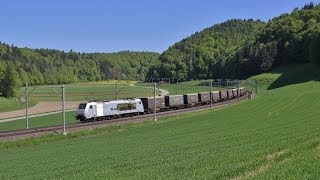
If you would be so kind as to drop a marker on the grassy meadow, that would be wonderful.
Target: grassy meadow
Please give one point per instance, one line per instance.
(41, 121)
(88, 91)
(183, 87)
(102, 90)
(274, 136)
(12, 104)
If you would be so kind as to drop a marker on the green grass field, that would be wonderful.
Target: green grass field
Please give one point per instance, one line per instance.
(75, 92)
(53, 119)
(183, 87)
(81, 92)
(274, 136)
(12, 104)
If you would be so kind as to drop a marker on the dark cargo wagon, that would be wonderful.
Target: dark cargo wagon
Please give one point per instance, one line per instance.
(191, 99)
(224, 94)
(215, 96)
(174, 101)
(230, 94)
(148, 104)
(204, 97)
(235, 93)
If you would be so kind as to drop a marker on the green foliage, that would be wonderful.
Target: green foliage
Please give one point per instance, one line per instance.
(240, 48)
(12, 104)
(9, 83)
(314, 52)
(204, 54)
(49, 66)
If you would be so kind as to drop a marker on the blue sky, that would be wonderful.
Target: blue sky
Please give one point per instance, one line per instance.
(115, 25)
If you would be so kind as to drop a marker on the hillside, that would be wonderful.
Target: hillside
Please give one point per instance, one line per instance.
(274, 136)
(288, 75)
(205, 53)
(240, 48)
(49, 66)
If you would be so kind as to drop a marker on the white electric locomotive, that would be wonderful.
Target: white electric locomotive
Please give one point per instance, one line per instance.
(98, 110)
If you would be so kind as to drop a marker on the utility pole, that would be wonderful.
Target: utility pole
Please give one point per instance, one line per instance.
(211, 94)
(238, 87)
(117, 90)
(27, 106)
(177, 87)
(63, 111)
(154, 98)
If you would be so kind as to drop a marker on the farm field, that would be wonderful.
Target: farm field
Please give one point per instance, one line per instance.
(183, 87)
(82, 92)
(274, 136)
(13, 104)
(47, 120)
(76, 92)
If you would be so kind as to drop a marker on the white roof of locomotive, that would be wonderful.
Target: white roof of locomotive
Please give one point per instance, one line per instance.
(117, 101)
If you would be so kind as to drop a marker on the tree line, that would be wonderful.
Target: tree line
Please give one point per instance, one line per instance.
(49, 66)
(239, 48)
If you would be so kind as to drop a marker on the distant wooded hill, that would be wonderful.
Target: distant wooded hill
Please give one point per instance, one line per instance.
(48, 66)
(239, 48)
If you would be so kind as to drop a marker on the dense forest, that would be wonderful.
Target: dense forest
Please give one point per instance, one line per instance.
(239, 48)
(47, 66)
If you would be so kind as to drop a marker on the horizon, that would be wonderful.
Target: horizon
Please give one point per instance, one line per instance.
(117, 26)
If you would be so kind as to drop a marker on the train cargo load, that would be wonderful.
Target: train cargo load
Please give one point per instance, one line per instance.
(191, 99)
(174, 101)
(230, 94)
(148, 104)
(215, 96)
(235, 93)
(204, 97)
(223, 94)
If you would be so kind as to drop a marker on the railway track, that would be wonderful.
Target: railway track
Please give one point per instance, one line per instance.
(57, 129)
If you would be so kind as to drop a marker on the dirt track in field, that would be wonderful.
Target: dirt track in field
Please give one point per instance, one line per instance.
(41, 107)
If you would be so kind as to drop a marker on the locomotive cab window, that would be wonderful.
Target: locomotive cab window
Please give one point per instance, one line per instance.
(82, 106)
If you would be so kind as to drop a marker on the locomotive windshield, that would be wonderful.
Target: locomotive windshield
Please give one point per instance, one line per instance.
(82, 106)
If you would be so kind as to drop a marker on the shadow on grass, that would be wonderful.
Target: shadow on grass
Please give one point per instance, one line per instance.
(295, 74)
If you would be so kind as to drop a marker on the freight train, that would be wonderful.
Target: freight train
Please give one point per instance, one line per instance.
(101, 110)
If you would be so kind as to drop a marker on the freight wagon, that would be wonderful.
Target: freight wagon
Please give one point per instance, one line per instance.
(216, 96)
(204, 97)
(148, 104)
(223, 95)
(235, 93)
(191, 100)
(230, 94)
(174, 101)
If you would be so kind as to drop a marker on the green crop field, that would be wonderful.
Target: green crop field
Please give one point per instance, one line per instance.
(183, 87)
(13, 104)
(41, 121)
(80, 92)
(274, 136)
(76, 92)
